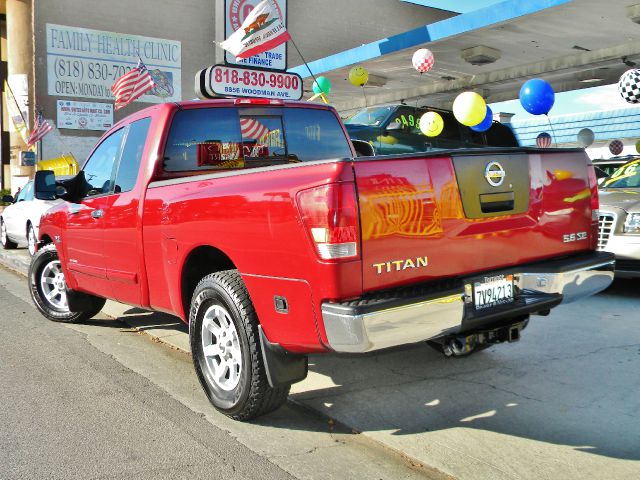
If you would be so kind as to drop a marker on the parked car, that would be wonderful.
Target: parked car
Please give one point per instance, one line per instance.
(394, 129)
(612, 164)
(619, 230)
(19, 222)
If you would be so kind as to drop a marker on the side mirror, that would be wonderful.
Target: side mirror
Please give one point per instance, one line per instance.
(8, 199)
(44, 185)
(363, 149)
(393, 126)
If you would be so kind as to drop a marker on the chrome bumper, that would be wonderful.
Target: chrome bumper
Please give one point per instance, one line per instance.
(358, 327)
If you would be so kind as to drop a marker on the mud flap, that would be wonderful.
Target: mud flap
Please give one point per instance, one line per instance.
(282, 367)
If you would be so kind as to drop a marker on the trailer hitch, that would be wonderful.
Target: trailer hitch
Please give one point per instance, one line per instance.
(460, 345)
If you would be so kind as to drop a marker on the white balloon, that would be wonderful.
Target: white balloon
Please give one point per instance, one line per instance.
(585, 137)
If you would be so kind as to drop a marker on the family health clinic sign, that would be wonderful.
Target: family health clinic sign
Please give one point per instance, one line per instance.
(236, 12)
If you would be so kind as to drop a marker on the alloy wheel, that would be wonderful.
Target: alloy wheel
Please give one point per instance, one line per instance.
(221, 348)
(54, 288)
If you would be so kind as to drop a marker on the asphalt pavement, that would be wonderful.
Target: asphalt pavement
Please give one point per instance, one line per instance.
(102, 400)
(561, 403)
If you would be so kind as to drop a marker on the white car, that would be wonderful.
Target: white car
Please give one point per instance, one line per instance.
(19, 221)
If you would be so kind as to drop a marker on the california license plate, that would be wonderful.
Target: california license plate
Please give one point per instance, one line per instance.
(493, 291)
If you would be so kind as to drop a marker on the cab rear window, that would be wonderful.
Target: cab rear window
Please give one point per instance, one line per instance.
(230, 138)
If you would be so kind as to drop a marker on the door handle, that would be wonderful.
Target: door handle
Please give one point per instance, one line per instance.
(97, 213)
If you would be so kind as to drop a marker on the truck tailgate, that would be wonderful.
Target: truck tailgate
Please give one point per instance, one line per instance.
(430, 217)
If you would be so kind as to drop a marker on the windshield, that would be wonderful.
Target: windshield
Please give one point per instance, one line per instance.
(373, 116)
(627, 176)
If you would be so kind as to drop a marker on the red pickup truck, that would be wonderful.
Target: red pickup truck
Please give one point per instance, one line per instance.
(256, 223)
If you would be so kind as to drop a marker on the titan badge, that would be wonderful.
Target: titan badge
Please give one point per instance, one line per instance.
(400, 265)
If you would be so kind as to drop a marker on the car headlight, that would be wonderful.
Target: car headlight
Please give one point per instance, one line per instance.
(632, 223)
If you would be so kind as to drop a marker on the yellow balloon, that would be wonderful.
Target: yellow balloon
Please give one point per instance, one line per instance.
(638, 146)
(358, 76)
(469, 108)
(431, 124)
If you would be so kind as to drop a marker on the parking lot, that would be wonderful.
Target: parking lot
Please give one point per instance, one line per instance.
(561, 403)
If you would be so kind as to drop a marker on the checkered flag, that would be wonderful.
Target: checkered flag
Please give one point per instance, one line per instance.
(629, 86)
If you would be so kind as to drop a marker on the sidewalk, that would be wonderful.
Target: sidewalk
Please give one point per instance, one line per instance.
(561, 403)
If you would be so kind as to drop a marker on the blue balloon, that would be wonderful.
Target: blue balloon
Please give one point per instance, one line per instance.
(537, 96)
(485, 124)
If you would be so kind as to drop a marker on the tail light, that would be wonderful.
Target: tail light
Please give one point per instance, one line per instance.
(330, 216)
(593, 185)
(257, 101)
(595, 206)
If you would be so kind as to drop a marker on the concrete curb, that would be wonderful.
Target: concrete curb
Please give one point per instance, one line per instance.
(169, 330)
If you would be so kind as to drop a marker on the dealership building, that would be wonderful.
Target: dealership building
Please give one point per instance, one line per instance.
(61, 57)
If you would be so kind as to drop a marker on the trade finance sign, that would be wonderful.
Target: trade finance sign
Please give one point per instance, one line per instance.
(236, 12)
(85, 63)
(227, 81)
(84, 115)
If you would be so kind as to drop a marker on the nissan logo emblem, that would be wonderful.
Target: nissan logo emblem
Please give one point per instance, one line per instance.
(494, 173)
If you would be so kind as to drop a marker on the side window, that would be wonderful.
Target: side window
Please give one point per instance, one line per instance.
(131, 157)
(99, 168)
(28, 191)
(203, 139)
(408, 118)
(23, 192)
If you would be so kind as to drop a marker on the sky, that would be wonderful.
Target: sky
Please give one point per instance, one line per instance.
(605, 97)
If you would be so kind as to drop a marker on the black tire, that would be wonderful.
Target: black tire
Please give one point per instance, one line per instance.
(44, 263)
(4, 239)
(32, 241)
(223, 297)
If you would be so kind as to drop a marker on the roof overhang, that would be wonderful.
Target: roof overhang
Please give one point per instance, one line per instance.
(572, 44)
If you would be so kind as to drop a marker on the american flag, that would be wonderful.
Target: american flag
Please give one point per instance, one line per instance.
(132, 85)
(40, 129)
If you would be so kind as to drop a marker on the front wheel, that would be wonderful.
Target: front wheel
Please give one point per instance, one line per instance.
(225, 345)
(4, 238)
(49, 290)
(32, 241)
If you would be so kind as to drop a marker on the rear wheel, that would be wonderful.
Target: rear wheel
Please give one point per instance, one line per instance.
(4, 239)
(49, 290)
(225, 345)
(32, 241)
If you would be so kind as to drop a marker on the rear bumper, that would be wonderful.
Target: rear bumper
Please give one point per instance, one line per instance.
(418, 313)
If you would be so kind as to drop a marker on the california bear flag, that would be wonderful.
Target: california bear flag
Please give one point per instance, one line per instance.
(262, 30)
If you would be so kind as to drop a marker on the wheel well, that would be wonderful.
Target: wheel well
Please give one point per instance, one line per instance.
(201, 262)
(45, 240)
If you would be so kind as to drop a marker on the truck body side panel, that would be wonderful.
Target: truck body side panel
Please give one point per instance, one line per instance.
(252, 218)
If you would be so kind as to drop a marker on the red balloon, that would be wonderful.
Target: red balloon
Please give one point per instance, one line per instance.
(423, 60)
(543, 140)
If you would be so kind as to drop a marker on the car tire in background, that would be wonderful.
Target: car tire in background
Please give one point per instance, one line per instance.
(4, 239)
(226, 350)
(48, 289)
(32, 241)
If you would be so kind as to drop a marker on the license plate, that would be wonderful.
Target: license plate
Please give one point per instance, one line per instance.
(493, 291)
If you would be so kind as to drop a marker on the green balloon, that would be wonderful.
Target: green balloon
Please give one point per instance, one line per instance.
(322, 85)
